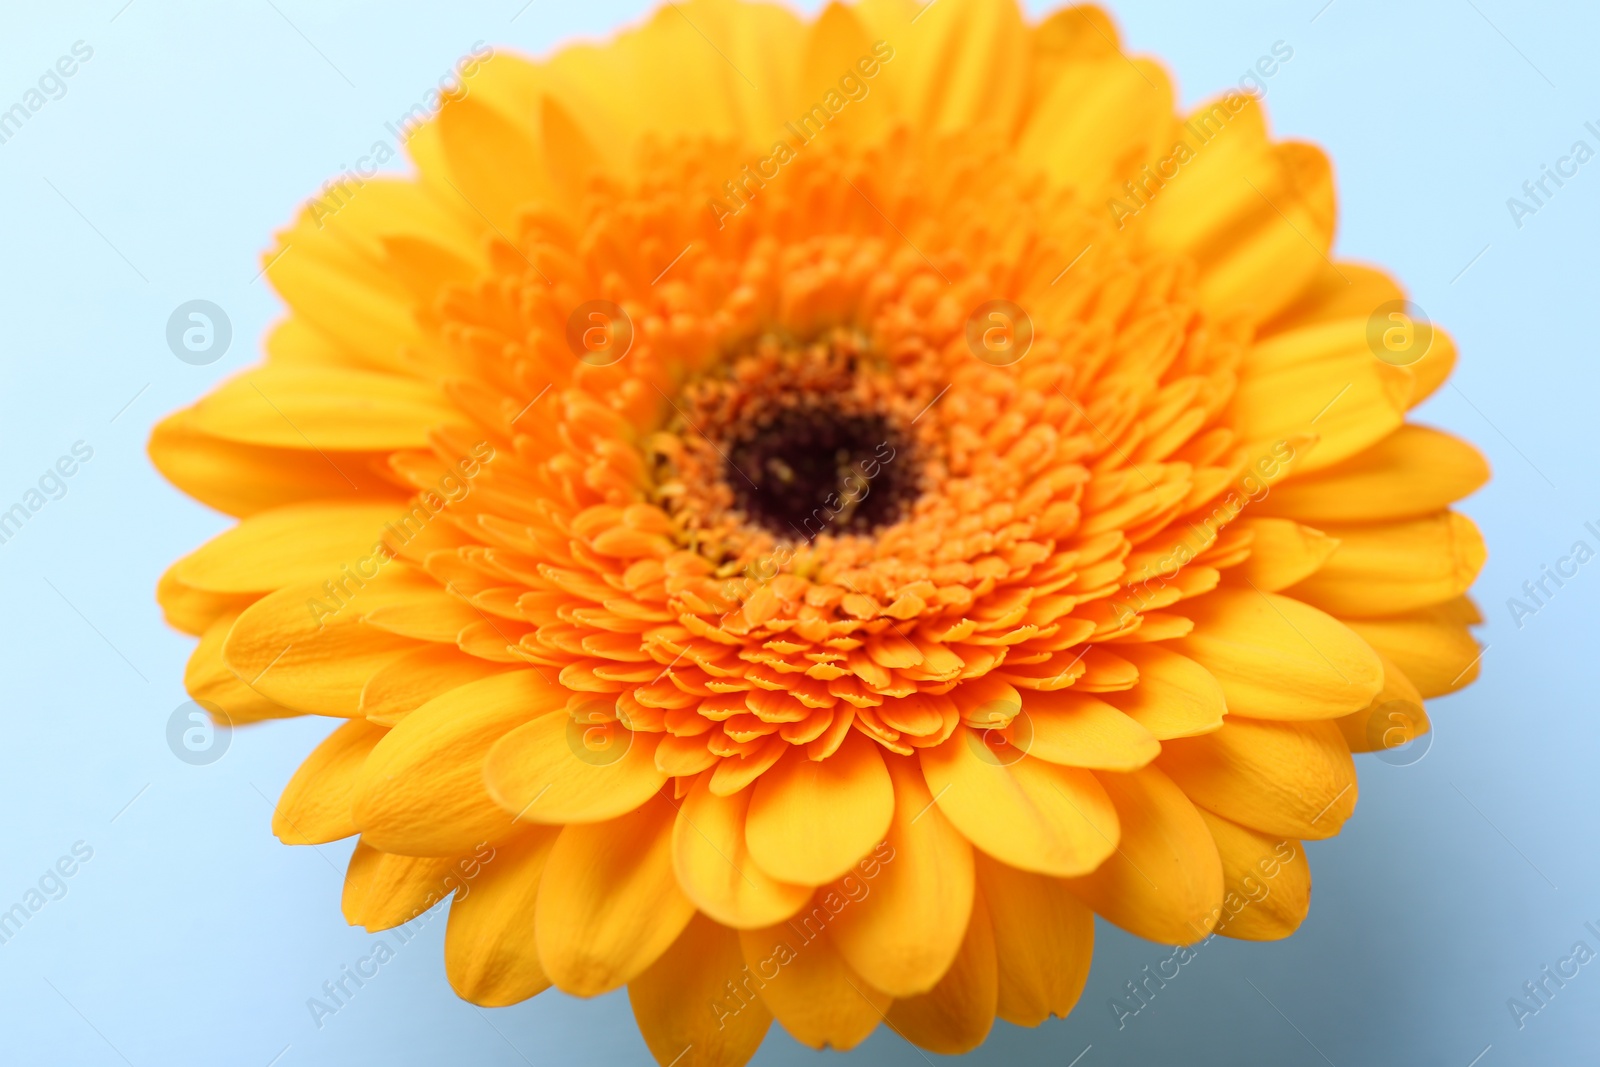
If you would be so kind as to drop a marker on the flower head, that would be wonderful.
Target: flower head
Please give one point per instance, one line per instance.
(800, 516)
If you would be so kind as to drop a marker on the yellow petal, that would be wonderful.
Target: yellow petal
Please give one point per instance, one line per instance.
(1278, 658)
(609, 905)
(296, 647)
(421, 791)
(1319, 380)
(1165, 882)
(713, 863)
(810, 820)
(1431, 371)
(1097, 123)
(1351, 293)
(1412, 472)
(1079, 730)
(809, 988)
(1394, 567)
(1175, 697)
(490, 955)
(902, 935)
(208, 679)
(1258, 216)
(1394, 718)
(406, 683)
(1268, 881)
(316, 542)
(383, 890)
(1431, 646)
(684, 1009)
(1282, 552)
(956, 1014)
(495, 167)
(327, 408)
(1043, 939)
(193, 610)
(342, 293)
(438, 616)
(315, 805)
(1293, 779)
(835, 42)
(242, 479)
(1031, 814)
(1281, 242)
(546, 771)
(962, 72)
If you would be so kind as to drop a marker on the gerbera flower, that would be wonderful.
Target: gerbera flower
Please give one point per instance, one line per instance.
(799, 516)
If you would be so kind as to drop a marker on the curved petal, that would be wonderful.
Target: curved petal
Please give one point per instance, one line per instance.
(306, 650)
(810, 820)
(1165, 881)
(956, 1014)
(1043, 939)
(1295, 779)
(671, 1001)
(1394, 567)
(713, 863)
(421, 791)
(1079, 730)
(383, 890)
(608, 904)
(323, 408)
(810, 989)
(544, 771)
(1432, 646)
(1282, 552)
(315, 806)
(1278, 658)
(906, 928)
(1268, 881)
(1412, 472)
(1031, 814)
(1175, 697)
(490, 954)
(209, 679)
(312, 542)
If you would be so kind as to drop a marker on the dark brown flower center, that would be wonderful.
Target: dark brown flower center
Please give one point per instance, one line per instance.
(811, 468)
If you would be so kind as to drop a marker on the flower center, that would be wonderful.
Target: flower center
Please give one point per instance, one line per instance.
(812, 467)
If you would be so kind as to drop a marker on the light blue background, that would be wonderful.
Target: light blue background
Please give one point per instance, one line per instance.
(193, 937)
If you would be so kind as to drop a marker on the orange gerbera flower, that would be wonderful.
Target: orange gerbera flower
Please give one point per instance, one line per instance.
(798, 517)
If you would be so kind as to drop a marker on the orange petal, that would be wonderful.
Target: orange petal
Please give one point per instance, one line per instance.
(490, 955)
(1031, 814)
(1268, 881)
(956, 1014)
(608, 904)
(809, 988)
(549, 771)
(810, 820)
(421, 790)
(315, 805)
(713, 863)
(1175, 697)
(1165, 882)
(1294, 779)
(1079, 730)
(684, 1008)
(1278, 658)
(907, 926)
(383, 890)
(1043, 939)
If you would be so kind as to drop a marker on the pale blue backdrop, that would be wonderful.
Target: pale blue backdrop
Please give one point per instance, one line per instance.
(190, 936)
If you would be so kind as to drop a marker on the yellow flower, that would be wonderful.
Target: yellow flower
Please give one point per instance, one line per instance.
(799, 516)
